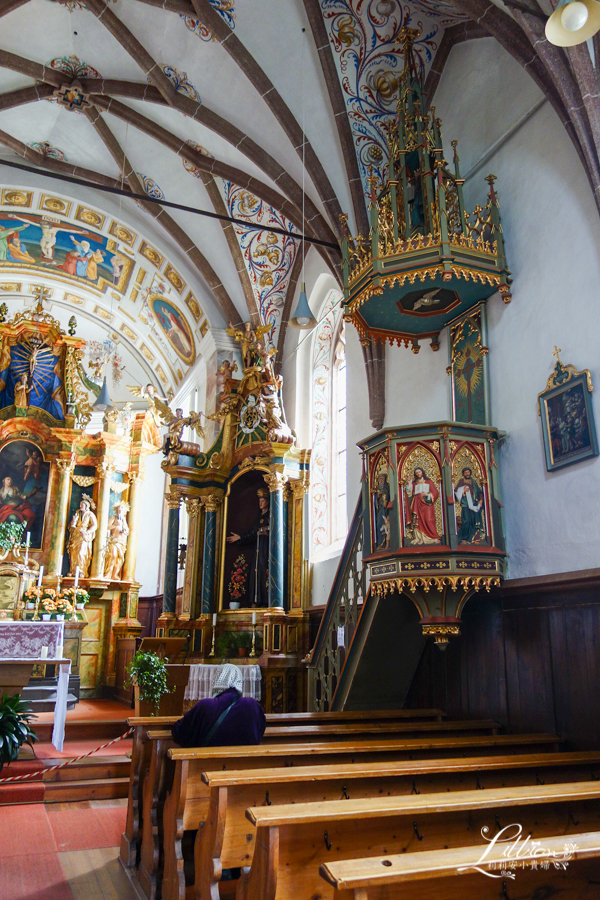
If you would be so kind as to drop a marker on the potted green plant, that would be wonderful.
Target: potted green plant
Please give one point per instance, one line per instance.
(15, 716)
(147, 672)
(244, 642)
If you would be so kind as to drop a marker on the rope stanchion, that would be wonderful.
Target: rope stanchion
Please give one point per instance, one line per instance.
(67, 762)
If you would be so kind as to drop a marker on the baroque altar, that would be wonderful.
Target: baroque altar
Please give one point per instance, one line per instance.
(246, 582)
(74, 494)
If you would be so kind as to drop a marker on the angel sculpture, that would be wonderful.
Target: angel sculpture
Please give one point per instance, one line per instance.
(253, 353)
(157, 414)
(176, 423)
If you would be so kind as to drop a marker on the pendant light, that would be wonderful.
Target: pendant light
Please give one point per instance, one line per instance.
(103, 401)
(573, 23)
(302, 316)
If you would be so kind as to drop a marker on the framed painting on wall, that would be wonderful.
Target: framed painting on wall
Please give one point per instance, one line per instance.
(565, 407)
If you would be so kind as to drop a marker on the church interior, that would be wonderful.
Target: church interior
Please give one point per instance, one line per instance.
(293, 384)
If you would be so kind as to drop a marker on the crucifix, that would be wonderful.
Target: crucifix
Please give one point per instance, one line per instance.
(555, 353)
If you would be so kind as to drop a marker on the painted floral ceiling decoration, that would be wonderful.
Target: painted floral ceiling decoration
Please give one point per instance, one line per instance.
(227, 108)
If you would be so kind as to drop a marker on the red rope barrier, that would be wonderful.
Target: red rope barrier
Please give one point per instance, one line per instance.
(67, 762)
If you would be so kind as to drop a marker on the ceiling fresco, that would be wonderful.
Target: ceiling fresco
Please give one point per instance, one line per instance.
(139, 95)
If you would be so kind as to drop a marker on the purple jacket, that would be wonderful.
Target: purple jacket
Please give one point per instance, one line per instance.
(245, 723)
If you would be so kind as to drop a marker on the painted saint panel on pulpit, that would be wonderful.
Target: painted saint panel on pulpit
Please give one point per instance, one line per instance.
(471, 507)
(422, 510)
(24, 477)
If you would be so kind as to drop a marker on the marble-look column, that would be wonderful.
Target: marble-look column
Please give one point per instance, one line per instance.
(64, 468)
(276, 481)
(136, 480)
(211, 504)
(190, 582)
(105, 470)
(298, 563)
(171, 555)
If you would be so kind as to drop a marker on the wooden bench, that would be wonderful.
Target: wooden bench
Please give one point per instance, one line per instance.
(293, 840)
(130, 839)
(448, 874)
(158, 780)
(223, 840)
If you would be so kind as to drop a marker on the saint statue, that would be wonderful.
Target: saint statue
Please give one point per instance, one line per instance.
(421, 494)
(469, 494)
(258, 589)
(82, 532)
(382, 516)
(116, 544)
(253, 352)
(22, 392)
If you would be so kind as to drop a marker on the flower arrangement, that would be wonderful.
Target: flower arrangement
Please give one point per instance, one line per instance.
(239, 577)
(64, 606)
(75, 595)
(48, 600)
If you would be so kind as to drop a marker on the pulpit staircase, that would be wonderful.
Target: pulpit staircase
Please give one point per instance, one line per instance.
(382, 642)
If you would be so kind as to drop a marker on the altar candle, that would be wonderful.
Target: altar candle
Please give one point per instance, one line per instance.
(254, 618)
(76, 582)
(44, 653)
(214, 620)
(28, 539)
(40, 576)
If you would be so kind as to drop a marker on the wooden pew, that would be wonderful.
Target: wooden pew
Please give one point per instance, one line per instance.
(223, 840)
(293, 840)
(435, 874)
(338, 730)
(158, 781)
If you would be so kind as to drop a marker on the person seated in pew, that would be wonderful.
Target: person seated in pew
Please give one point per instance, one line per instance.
(225, 720)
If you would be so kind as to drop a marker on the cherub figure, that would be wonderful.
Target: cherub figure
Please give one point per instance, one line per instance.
(225, 380)
(176, 425)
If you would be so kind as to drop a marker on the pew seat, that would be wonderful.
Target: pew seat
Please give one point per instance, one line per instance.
(450, 873)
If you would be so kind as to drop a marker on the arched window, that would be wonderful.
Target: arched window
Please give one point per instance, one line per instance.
(328, 459)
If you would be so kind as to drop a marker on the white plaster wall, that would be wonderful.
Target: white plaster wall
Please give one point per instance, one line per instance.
(552, 233)
(147, 570)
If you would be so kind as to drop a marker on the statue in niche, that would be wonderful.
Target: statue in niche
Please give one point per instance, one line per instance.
(82, 532)
(469, 494)
(382, 515)
(22, 392)
(258, 587)
(116, 543)
(421, 494)
(253, 350)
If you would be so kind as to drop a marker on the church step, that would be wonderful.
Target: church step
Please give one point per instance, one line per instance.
(88, 789)
(94, 768)
(83, 729)
(43, 699)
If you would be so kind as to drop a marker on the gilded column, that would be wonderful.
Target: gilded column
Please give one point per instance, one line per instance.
(190, 583)
(171, 555)
(136, 480)
(211, 504)
(276, 481)
(105, 471)
(298, 489)
(61, 507)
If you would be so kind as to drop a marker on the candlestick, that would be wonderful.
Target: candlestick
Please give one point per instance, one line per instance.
(253, 650)
(212, 649)
(40, 576)
(76, 582)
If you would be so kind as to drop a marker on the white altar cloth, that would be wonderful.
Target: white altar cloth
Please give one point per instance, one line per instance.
(24, 640)
(202, 678)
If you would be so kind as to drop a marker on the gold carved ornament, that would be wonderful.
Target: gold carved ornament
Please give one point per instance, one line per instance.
(73, 386)
(193, 506)
(275, 481)
(436, 582)
(211, 503)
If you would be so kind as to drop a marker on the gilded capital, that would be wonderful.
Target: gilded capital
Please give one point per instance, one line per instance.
(193, 506)
(173, 501)
(299, 488)
(211, 503)
(137, 477)
(275, 480)
(65, 466)
(105, 469)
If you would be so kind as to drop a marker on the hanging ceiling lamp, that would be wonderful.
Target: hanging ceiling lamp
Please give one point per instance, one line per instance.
(573, 23)
(302, 316)
(103, 402)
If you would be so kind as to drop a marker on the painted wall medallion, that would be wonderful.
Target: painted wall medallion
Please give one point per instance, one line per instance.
(176, 329)
(565, 406)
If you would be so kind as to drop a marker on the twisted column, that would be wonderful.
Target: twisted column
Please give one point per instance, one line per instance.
(276, 482)
(136, 479)
(61, 507)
